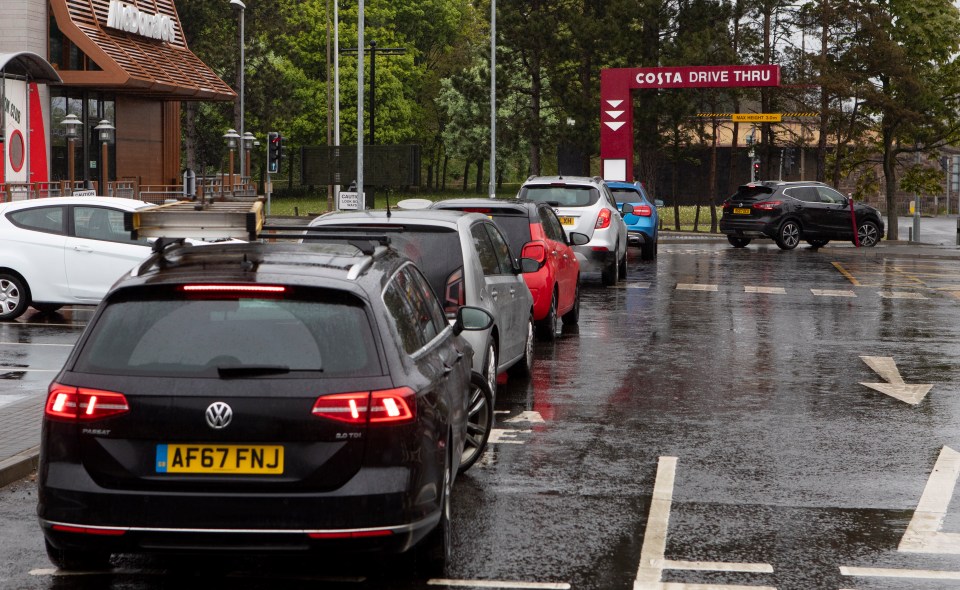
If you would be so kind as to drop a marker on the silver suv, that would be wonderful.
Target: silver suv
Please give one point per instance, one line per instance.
(586, 205)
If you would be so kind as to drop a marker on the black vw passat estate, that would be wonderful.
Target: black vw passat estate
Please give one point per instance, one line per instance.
(259, 397)
(789, 212)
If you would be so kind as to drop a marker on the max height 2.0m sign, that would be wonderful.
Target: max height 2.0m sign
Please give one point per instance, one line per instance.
(616, 103)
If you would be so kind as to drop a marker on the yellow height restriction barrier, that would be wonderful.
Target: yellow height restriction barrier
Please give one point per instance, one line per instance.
(757, 117)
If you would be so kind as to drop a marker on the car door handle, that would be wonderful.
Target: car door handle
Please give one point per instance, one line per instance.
(83, 249)
(447, 369)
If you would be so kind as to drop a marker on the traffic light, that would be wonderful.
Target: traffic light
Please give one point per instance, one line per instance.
(756, 169)
(274, 151)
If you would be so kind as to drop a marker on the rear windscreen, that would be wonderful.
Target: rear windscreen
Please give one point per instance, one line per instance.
(749, 192)
(164, 332)
(516, 228)
(561, 195)
(623, 195)
(435, 250)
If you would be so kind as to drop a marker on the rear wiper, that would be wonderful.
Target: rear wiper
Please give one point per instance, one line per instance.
(251, 370)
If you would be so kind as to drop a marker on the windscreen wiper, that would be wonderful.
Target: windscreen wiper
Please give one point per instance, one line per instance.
(235, 371)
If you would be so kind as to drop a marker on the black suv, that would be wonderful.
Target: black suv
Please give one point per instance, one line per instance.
(792, 211)
(254, 397)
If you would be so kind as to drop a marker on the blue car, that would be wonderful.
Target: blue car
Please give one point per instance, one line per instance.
(644, 222)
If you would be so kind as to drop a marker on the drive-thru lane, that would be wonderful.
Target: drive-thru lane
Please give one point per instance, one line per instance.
(712, 423)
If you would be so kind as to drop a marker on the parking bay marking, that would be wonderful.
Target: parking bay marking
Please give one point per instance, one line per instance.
(652, 558)
(895, 386)
(923, 534)
(695, 287)
(499, 584)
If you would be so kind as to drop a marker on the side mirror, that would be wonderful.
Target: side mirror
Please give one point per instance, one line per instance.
(528, 265)
(658, 203)
(472, 319)
(578, 239)
(627, 209)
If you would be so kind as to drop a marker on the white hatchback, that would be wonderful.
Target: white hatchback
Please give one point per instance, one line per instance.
(586, 205)
(64, 250)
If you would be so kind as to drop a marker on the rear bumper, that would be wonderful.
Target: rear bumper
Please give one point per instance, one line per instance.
(592, 260)
(747, 228)
(374, 511)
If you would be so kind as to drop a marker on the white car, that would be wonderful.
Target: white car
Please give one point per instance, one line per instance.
(586, 205)
(63, 250)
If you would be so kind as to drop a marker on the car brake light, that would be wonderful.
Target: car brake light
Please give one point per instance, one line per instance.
(234, 288)
(767, 205)
(476, 210)
(86, 530)
(603, 220)
(454, 296)
(643, 211)
(385, 406)
(535, 250)
(77, 403)
(350, 534)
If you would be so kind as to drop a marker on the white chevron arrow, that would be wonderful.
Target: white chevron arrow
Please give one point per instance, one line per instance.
(614, 126)
(895, 386)
(614, 103)
(614, 114)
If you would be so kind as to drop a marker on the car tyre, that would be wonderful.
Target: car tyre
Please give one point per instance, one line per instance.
(14, 297)
(77, 559)
(480, 419)
(433, 552)
(648, 251)
(525, 365)
(490, 367)
(818, 243)
(738, 242)
(573, 316)
(46, 307)
(788, 236)
(868, 234)
(611, 275)
(547, 327)
(622, 271)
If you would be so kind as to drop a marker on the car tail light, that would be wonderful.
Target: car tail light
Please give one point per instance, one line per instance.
(234, 289)
(476, 210)
(86, 530)
(385, 406)
(350, 534)
(643, 211)
(78, 403)
(767, 205)
(536, 250)
(454, 295)
(603, 220)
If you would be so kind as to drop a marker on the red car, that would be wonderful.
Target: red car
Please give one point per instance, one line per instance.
(533, 231)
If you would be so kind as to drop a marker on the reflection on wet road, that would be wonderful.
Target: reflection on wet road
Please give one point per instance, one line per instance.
(707, 425)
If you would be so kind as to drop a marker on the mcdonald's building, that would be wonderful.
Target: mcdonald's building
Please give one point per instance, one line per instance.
(92, 89)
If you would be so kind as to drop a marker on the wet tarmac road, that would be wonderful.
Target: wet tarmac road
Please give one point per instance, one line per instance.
(705, 427)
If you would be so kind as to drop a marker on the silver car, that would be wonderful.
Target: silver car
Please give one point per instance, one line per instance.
(467, 262)
(586, 205)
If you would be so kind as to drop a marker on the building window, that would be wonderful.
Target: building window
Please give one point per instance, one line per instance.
(64, 55)
(90, 107)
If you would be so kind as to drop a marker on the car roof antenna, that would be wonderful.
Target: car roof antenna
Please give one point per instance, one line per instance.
(388, 203)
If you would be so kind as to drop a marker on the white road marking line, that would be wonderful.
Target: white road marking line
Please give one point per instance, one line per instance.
(718, 566)
(652, 560)
(765, 290)
(33, 344)
(695, 287)
(6, 400)
(634, 285)
(650, 570)
(500, 436)
(880, 572)
(530, 416)
(832, 293)
(923, 534)
(895, 387)
(499, 584)
(901, 295)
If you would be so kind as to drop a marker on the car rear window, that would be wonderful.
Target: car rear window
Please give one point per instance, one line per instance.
(561, 195)
(165, 332)
(435, 250)
(626, 195)
(752, 192)
(516, 228)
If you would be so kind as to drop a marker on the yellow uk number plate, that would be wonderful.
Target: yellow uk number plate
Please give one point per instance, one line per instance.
(220, 459)
(568, 221)
(741, 211)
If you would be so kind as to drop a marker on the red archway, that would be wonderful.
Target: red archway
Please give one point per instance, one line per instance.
(616, 102)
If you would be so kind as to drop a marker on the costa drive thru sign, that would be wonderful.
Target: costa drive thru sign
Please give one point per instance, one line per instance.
(616, 102)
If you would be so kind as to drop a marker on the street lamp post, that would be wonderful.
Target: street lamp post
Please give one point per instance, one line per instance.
(243, 9)
(70, 124)
(105, 130)
(249, 140)
(232, 137)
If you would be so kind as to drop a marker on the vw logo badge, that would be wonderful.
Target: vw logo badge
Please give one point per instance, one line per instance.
(219, 415)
